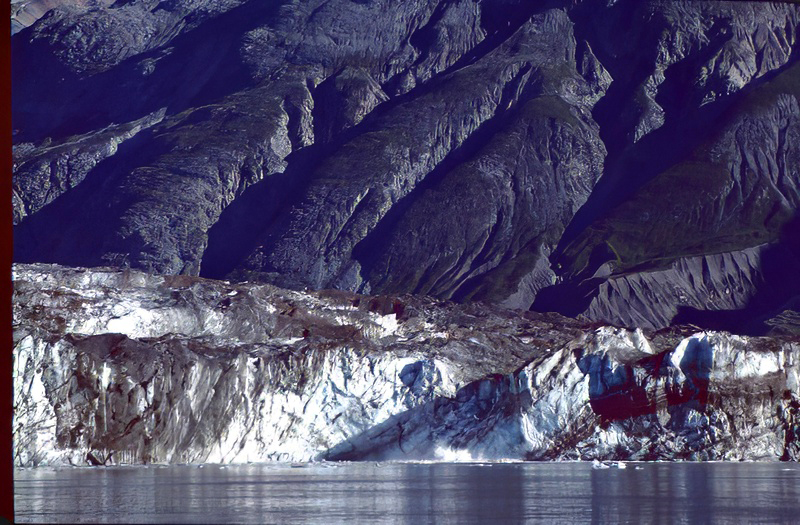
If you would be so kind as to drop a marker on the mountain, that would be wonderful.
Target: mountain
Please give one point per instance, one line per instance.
(633, 162)
(250, 230)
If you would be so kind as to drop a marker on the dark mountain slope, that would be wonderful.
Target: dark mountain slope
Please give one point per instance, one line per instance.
(629, 161)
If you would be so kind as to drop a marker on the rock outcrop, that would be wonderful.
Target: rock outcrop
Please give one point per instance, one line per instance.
(504, 151)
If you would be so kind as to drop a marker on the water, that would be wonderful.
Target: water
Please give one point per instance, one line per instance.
(368, 493)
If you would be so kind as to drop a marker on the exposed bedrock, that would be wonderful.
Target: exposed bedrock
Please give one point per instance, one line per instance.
(726, 281)
(43, 174)
(731, 198)
(114, 366)
(451, 187)
(580, 153)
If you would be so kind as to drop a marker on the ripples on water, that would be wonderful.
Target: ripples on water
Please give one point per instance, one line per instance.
(369, 493)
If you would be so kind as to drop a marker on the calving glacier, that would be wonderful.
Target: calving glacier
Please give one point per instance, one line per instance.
(119, 366)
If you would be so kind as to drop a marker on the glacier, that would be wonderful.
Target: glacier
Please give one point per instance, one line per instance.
(117, 366)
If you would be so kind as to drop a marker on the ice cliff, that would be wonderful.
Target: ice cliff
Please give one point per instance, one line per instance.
(119, 366)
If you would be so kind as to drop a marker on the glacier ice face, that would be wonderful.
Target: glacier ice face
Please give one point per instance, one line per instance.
(118, 366)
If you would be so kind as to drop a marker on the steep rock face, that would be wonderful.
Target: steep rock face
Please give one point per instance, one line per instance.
(157, 216)
(737, 190)
(43, 174)
(344, 100)
(170, 188)
(738, 187)
(503, 210)
(726, 281)
(497, 150)
(95, 38)
(119, 366)
(25, 12)
(709, 49)
(350, 194)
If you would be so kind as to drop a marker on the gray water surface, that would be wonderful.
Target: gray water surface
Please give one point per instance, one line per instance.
(356, 493)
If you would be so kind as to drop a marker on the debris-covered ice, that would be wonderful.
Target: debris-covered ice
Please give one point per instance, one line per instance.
(117, 366)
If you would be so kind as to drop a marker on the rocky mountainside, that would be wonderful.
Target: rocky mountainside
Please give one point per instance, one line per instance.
(633, 162)
(119, 366)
